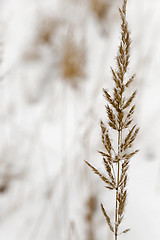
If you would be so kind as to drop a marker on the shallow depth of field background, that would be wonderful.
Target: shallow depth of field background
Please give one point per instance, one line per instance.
(55, 57)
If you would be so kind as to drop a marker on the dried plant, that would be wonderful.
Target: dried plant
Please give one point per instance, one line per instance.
(46, 29)
(99, 8)
(91, 208)
(120, 111)
(73, 60)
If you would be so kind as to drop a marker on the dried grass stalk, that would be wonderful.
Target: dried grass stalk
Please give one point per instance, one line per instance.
(46, 29)
(99, 8)
(91, 208)
(120, 116)
(73, 60)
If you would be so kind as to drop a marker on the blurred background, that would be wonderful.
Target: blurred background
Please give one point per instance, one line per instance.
(55, 57)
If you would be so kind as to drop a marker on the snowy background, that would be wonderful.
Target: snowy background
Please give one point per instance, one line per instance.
(50, 110)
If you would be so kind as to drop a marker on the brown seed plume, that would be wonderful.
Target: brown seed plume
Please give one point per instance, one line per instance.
(99, 8)
(73, 60)
(120, 111)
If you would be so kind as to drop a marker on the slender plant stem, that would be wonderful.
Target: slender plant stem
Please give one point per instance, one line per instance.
(119, 112)
(118, 170)
(116, 215)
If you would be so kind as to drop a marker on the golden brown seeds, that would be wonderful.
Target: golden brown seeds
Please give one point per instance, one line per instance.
(109, 169)
(106, 139)
(130, 81)
(116, 78)
(125, 145)
(117, 157)
(130, 100)
(107, 218)
(105, 179)
(127, 230)
(128, 156)
(109, 99)
(112, 118)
